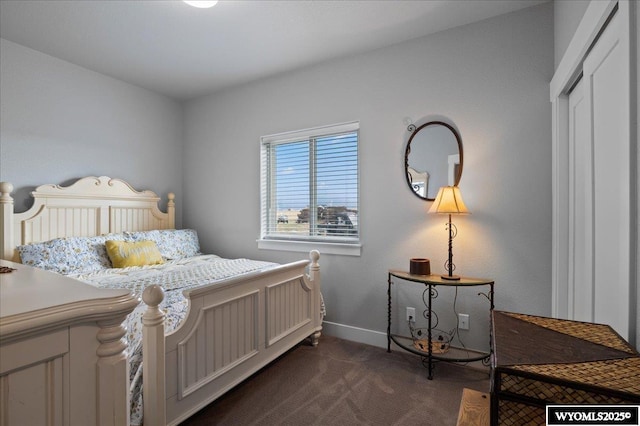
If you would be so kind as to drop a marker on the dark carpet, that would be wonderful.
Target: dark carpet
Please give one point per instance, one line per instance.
(345, 383)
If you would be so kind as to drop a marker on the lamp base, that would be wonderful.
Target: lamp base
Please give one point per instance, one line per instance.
(450, 277)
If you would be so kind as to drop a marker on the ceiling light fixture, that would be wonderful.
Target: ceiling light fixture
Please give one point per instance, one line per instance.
(201, 4)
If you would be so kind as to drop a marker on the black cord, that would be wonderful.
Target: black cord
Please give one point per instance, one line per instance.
(456, 330)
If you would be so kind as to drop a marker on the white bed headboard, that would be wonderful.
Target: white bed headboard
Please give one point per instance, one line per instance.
(91, 206)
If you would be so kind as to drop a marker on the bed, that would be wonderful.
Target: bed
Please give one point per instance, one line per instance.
(227, 328)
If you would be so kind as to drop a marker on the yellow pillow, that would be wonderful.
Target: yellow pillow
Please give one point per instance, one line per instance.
(139, 253)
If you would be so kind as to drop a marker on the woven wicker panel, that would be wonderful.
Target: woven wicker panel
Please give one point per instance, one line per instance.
(595, 333)
(517, 414)
(618, 374)
(552, 393)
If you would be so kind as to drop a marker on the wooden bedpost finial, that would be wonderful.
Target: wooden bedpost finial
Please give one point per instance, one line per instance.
(5, 192)
(171, 209)
(153, 316)
(153, 295)
(314, 267)
(7, 244)
(314, 255)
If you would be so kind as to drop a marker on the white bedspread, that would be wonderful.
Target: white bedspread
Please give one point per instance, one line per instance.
(174, 277)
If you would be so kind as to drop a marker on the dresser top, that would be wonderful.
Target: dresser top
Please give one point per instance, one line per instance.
(30, 289)
(32, 298)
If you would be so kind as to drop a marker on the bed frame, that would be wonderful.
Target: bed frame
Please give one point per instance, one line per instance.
(233, 328)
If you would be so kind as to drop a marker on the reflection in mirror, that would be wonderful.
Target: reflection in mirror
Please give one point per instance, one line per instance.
(419, 181)
(433, 158)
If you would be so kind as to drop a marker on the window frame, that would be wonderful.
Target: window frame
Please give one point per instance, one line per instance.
(349, 247)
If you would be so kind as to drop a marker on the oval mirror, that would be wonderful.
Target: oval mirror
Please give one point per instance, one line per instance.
(433, 158)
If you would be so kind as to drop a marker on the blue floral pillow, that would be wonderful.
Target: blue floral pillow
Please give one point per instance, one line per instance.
(172, 243)
(70, 255)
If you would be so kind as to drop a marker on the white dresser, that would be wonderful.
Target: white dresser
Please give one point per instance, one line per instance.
(62, 357)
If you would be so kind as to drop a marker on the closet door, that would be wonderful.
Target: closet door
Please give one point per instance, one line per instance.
(606, 91)
(595, 178)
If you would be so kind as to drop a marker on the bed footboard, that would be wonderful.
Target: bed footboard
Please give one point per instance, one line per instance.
(233, 329)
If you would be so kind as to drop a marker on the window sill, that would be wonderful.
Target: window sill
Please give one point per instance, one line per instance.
(306, 246)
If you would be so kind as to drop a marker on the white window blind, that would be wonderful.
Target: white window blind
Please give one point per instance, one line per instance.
(309, 185)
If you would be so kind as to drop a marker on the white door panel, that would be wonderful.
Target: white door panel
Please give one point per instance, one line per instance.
(600, 188)
(595, 173)
(603, 73)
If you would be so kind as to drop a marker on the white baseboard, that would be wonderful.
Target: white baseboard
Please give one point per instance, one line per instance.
(355, 334)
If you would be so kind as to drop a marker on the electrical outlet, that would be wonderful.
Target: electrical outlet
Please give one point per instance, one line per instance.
(463, 321)
(411, 314)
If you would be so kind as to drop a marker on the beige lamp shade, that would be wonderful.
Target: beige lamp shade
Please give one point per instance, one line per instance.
(448, 200)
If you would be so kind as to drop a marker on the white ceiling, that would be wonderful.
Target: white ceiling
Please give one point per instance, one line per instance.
(184, 52)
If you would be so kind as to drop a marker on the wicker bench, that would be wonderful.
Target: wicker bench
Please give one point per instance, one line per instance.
(539, 361)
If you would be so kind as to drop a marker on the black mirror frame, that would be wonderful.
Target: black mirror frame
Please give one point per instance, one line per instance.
(414, 131)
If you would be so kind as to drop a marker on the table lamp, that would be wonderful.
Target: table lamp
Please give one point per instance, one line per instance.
(449, 201)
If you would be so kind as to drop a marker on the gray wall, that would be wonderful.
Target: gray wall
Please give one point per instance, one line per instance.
(489, 78)
(566, 16)
(60, 122)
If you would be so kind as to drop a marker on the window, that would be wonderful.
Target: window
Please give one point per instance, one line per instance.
(309, 187)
